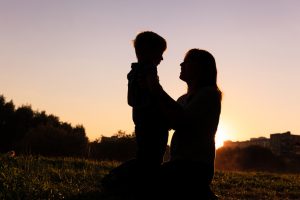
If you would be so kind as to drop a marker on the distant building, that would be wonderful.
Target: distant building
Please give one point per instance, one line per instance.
(261, 141)
(297, 149)
(279, 143)
(284, 143)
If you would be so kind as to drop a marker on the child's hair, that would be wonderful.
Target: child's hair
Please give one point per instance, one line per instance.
(149, 41)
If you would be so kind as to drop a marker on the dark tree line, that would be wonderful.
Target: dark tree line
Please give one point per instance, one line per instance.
(36, 133)
(119, 147)
(31, 132)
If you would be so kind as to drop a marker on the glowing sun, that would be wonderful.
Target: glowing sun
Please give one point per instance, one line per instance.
(221, 136)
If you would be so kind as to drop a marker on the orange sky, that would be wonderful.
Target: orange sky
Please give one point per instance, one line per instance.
(71, 58)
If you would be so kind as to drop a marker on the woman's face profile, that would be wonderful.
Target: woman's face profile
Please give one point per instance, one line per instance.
(188, 70)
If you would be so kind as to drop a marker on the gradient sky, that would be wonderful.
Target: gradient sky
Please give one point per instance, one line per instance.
(70, 58)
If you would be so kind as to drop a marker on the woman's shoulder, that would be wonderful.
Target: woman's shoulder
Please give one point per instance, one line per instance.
(205, 94)
(182, 99)
(210, 92)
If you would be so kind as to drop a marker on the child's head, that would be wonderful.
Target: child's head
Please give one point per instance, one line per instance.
(149, 47)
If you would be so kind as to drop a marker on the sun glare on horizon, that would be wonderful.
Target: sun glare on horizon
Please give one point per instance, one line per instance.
(221, 136)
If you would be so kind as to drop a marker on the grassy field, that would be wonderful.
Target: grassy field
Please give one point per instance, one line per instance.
(69, 178)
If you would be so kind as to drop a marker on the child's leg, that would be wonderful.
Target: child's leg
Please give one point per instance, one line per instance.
(151, 146)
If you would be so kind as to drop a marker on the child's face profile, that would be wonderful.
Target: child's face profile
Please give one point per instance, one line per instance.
(154, 57)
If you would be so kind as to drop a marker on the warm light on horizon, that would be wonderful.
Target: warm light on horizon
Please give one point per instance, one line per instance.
(221, 136)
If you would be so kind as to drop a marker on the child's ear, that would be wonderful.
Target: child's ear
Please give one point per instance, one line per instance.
(140, 57)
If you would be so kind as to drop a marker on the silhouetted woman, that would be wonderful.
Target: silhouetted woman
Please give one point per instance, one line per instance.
(195, 118)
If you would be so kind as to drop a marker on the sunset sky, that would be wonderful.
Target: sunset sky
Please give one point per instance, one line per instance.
(70, 58)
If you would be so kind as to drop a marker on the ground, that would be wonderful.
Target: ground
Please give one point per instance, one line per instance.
(33, 177)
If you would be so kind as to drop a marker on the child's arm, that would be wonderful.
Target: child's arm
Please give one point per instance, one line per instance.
(132, 90)
(172, 110)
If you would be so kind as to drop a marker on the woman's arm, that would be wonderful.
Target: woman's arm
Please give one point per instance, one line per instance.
(203, 108)
(170, 108)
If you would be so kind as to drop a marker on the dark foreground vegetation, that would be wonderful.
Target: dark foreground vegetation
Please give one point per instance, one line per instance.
(33, 177)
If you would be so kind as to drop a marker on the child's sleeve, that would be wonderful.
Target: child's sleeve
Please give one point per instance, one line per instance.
(131, 92)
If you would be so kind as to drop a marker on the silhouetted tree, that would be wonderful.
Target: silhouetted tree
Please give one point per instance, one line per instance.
(7, 111)
(48, 140)
(23, 119)
(119, 147)
(28, 131)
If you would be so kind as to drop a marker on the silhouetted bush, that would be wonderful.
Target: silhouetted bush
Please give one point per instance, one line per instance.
(48, 140)
(252, 158)
(119, 147)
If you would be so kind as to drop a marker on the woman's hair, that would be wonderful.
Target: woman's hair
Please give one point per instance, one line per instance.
(207, 66)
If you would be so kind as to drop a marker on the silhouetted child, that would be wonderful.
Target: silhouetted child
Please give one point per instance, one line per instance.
(150, 127)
